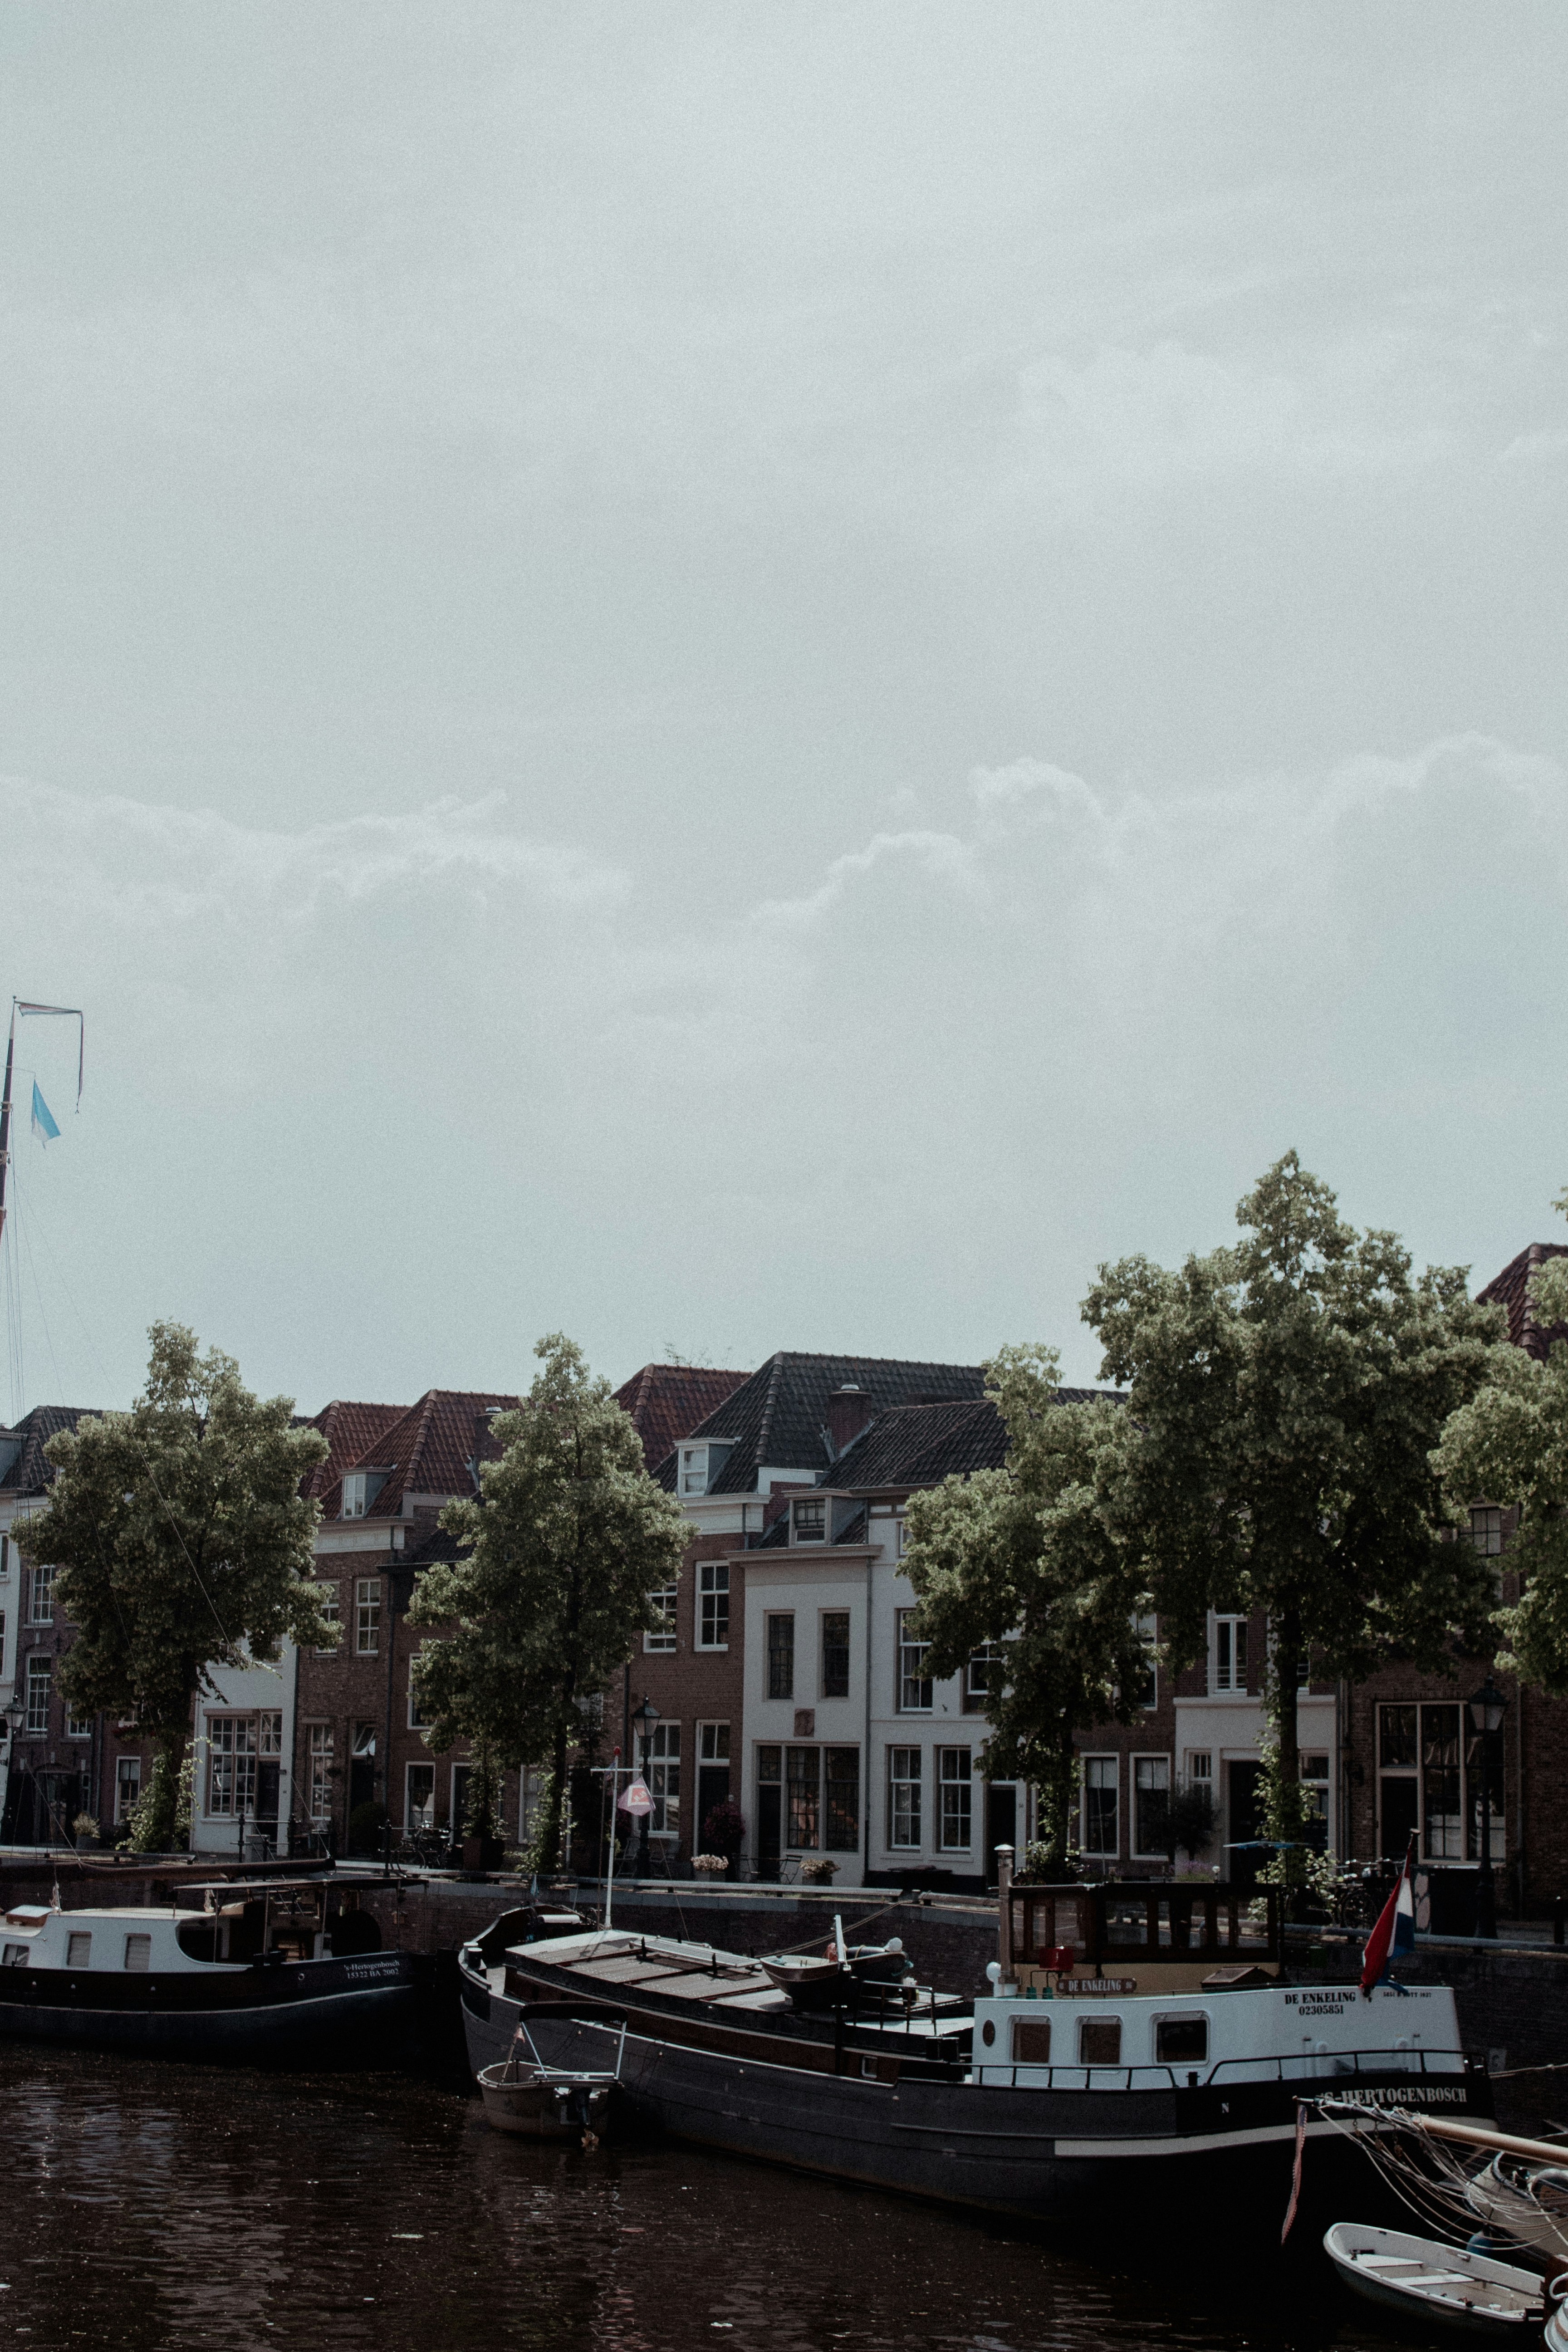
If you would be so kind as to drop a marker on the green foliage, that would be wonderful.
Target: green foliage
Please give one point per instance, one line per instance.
(481, 1797)
(1184, 1820)
(1284, 1397)
(529, 1857)
(1031, 1553)
(1510, 1445)
(181, 1543)
(161, 1817)
(560, 1554)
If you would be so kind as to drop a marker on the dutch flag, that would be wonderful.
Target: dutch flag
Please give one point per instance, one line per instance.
(1394, 1934)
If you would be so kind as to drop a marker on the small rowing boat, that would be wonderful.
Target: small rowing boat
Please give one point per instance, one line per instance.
(1439, 2285)
(534, 2101)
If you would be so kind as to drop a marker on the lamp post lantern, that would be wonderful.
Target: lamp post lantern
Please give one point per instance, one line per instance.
(1487, 1710)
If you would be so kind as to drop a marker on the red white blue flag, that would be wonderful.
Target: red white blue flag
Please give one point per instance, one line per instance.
(1394, 1934)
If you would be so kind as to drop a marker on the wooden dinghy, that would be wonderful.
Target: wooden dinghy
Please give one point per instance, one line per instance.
(533, 2101)
(1440, 2286)
(817, 1980)
(1525, 2202)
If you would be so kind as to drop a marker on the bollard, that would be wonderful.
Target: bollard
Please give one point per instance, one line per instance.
(1557, 1919)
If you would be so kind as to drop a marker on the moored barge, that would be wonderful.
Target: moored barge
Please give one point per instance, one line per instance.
(1179, 2075)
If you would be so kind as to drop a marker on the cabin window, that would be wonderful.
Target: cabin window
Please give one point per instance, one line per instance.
(1230, 1653)
(367, 1615)
(419, 1797)
(1031, 2041)
(1181, 2041)
(836, 1653)
(780, 1655)
(43, 1597)
(79, 1949)
(955, 1791)
(713, 1605)
(127, 1785)
(15, 1957)
(40, 1677)
(904, 1789)
(914, 1683)
(660, 1633)
(663, 1766)
(138, 1951)
(1100, 2042)
(1101, 1824)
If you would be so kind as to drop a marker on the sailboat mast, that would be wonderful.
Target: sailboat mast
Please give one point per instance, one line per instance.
(5, 1115)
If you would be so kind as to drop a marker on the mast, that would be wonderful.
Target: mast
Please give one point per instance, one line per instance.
(5, 1115)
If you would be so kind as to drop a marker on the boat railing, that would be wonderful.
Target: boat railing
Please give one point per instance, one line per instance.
(1305, 2067)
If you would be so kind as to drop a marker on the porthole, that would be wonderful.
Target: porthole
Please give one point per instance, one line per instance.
(988, 2033)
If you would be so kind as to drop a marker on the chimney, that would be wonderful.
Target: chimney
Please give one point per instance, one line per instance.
(849, 1410)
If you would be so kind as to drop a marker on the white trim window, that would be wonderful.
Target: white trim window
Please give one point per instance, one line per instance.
(1101, 1807)
(419, 1796)
(1151, 1794)
(231, 1764)
(126, 1787)
(914, 1693)
(320, 1772)
(664, 1780)
(808, 1522)
(660, 1630)
(905, 1784)
(955, 1785)
(1230, 1654)
(714, 1604)
(40, 1682)
(331, 1611)
(77, 1726)
(367, 1616)
(779, 1644)
(41, 1611)
(4, 1558)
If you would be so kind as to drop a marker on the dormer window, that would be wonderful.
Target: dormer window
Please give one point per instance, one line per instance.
(701, 1463)
(360, 1488)
(810, 1522)
(10, 1453)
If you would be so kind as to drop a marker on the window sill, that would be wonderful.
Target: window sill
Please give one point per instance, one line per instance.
(711, 1649)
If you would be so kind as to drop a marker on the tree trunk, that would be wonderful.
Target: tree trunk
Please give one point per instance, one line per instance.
(1055, 1803)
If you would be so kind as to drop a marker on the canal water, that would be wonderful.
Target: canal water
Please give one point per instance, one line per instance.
(148, 2206)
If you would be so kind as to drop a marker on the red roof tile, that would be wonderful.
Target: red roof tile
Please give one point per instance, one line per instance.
(427, 1450)
(1508, 1290)
(349, 1429)
(667, 1401)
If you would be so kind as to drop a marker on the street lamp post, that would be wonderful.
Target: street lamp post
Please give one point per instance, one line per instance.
(1487, 1710)
(645, 1717)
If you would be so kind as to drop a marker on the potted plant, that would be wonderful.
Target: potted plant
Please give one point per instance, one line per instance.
(818, 1871)
(710, 1865)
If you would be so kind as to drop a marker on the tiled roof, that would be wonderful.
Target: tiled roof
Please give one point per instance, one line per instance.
(667, 1401)
(919, 1445)
(1507, 1291)
(350, 1429)
(426, 1451)
(30, 1474)
(778, 1418)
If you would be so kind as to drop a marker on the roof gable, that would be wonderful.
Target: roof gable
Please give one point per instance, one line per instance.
(1508, 1291)
(427, 1450)
(666, 1402)
(778, 1418)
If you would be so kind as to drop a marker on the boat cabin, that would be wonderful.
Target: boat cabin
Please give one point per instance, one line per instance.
(1147, 1932)
(236, 1925)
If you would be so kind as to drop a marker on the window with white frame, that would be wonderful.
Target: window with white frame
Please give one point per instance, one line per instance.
(954, 1782)
(4, 1558)
(40, 1680)
(320, 1771)
(1151, 1797)
(663, 1780)
(77, 1726)
(983, 1677)
(713, 1743)
(714, 1604)
(1230, 1653)
(1200, 1768)
(694, 1469)
(780, 1643)
(360, 1488)
(42, 1612)
(418, 1720)
(810, 1522)
(841, 1791)
(902, 1536)
(834, 1628)
(914, 1683)
(1101, 1806)
(332, 1611)
(802, 1798)
(660, 1631)
(367, 1616)
(127, 1785)
(419, 1796)
(1314, 1770)
(905, 1782)
(231, 1764)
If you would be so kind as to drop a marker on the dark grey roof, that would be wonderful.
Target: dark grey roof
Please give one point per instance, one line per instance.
(30, 1474)
(920, 1445)
(779, 1416)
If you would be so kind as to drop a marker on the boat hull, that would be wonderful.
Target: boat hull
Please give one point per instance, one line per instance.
(1506, 2305)
(1033, 2155)
(260, 2014)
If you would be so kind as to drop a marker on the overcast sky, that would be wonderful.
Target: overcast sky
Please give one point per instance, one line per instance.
(753, 678)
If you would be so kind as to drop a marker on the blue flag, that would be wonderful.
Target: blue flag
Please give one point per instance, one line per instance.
(44, 1126)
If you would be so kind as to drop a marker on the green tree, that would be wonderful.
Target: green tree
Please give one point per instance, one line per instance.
(1028, 1558)
(1284, 1398)
(1509, 1445)
(181, 1543)
(559, 1555)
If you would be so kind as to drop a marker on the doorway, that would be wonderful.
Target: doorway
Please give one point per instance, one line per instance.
(770, 1825)
(712, 1789)
(1001, 1824)
(1242, 1811)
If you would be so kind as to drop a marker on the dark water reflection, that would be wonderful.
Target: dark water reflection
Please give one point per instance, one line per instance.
(148, 2208)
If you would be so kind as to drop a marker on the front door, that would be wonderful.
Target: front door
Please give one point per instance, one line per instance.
(1243, 1822)
(1001, 1824)
(712, 1789)
(769, 1824)
(267, 1794)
